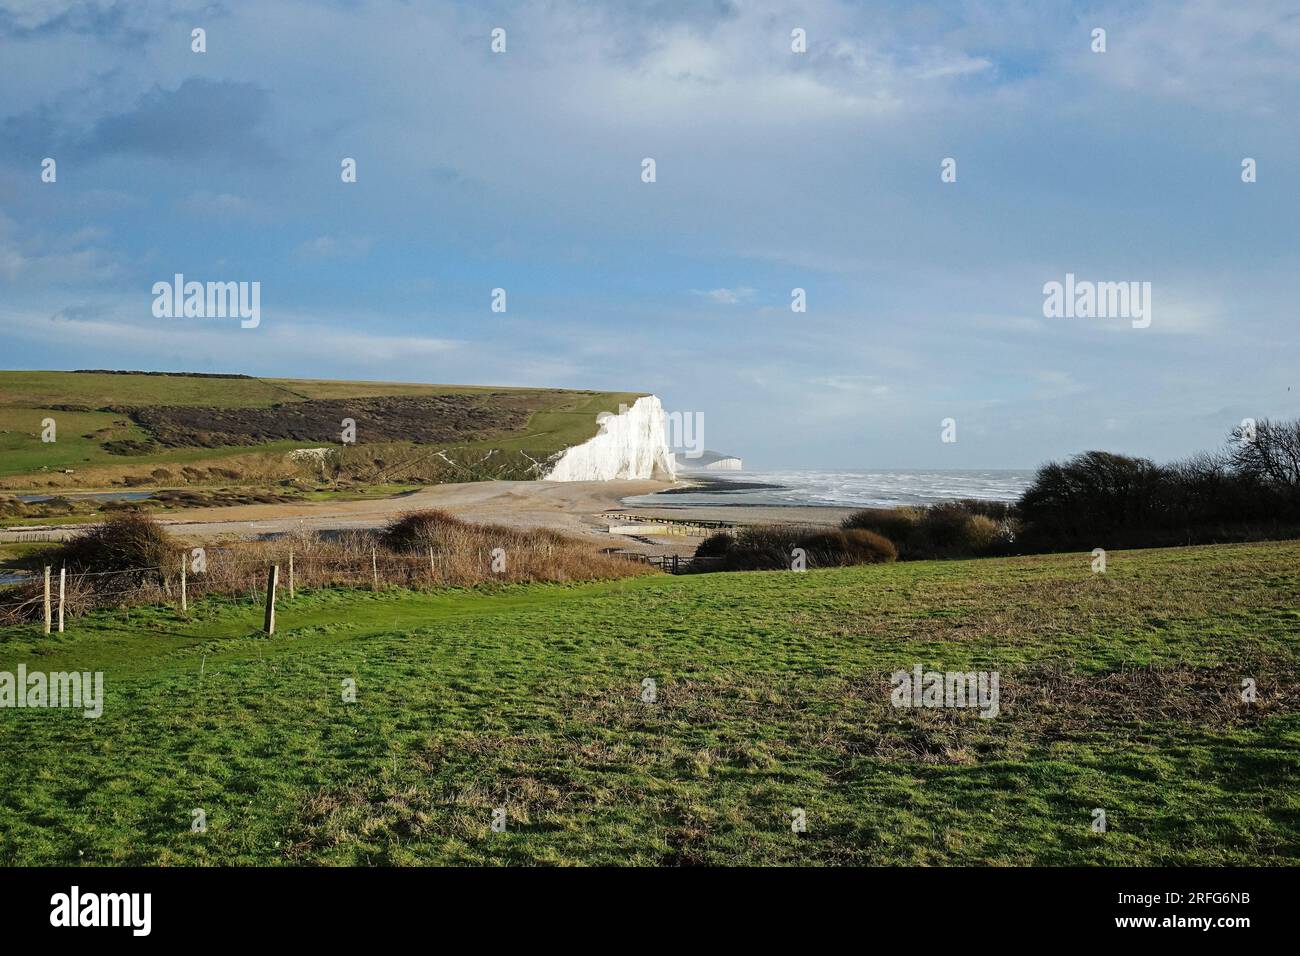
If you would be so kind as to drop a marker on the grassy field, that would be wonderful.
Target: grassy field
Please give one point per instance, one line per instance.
(556, 419)
(1118, 691)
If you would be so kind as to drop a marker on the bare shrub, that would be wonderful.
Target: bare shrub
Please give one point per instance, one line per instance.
(967, 528)
(983, 534)
(1271, 454)
(103, 563)
(869, 547)
(421, 530)
(425, 549)
(896, 524)
(128, 543)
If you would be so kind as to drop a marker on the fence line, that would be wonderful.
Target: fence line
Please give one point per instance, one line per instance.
(235, 573)
(684, 522)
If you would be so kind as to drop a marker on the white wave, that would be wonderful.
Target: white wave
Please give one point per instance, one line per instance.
(854, 489)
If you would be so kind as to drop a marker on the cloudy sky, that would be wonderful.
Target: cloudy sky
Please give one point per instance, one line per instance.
(775, 170)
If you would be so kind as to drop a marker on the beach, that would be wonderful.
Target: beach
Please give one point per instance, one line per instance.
(585, 509)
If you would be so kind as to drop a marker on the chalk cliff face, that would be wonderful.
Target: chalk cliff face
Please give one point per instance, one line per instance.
(631, 444)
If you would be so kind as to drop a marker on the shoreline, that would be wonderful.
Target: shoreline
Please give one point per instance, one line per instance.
(579, 508)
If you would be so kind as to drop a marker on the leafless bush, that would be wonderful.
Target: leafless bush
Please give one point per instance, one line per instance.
(128, 543)
(1271, 454)
(459, 554)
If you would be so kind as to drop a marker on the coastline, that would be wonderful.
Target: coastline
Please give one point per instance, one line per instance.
(662, 505)
(580, 508)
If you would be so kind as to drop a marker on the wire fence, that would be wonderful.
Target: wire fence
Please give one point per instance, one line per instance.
(255, 570)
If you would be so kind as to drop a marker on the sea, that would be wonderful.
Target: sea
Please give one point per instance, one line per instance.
(885, 488)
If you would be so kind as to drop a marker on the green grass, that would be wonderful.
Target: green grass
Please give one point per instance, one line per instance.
(1119, 691)
(79, 439)
(558, 418)
(569, 420)
(39, 389)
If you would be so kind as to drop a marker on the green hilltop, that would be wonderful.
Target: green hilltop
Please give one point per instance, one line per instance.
(151, 429)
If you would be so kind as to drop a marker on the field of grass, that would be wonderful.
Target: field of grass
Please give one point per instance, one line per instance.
(39, 389)
(1118, 691)
(79, 446)
(557, 418)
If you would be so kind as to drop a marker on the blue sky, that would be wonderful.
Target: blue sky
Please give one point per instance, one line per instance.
(775, 170)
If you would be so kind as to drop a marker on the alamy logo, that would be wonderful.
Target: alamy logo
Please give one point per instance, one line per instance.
(82, 690)
(212, 300)
(103, 909)
(685, 430)
(920, 688)
(1098, 300)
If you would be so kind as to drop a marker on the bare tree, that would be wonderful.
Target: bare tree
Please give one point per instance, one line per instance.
(1271, 454)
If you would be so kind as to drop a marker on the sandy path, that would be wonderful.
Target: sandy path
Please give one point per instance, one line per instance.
(564, 506)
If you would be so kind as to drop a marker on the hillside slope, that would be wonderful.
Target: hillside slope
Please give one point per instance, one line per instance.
(167, 430)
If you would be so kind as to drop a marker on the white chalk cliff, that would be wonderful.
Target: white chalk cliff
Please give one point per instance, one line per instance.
(631, 444)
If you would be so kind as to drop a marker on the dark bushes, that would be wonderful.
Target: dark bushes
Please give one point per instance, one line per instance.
(1102, 499)
(896, 524)
(1089, 492)
(125, 559)
(948, 530)
(994, 510)
(715, 545)
(836, 546)
(129, 543)
(420, 530)
(773, 548)
(444, 533)
(1251, 491)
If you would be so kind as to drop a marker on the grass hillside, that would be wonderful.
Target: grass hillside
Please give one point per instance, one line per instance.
(1118, 691)
(175, 430)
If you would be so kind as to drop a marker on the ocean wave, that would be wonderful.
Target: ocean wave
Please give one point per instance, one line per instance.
(854, 489)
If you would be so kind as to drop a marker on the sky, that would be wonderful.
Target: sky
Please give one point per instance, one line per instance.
(774, 170)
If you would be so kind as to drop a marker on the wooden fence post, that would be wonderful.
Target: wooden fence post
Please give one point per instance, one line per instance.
(47, 599)
(291, 575)
(63, 576)
(185, 603)
(432, 572)
(374, 569)
(272, 578)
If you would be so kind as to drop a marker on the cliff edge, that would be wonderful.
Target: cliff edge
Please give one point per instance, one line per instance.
(630, 445)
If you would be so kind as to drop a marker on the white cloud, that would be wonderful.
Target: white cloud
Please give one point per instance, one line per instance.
(279, 341)
(727, 296)
(1205, 52)
(334, 247)
(1057, 384)
(865, 384)
(55, 261)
